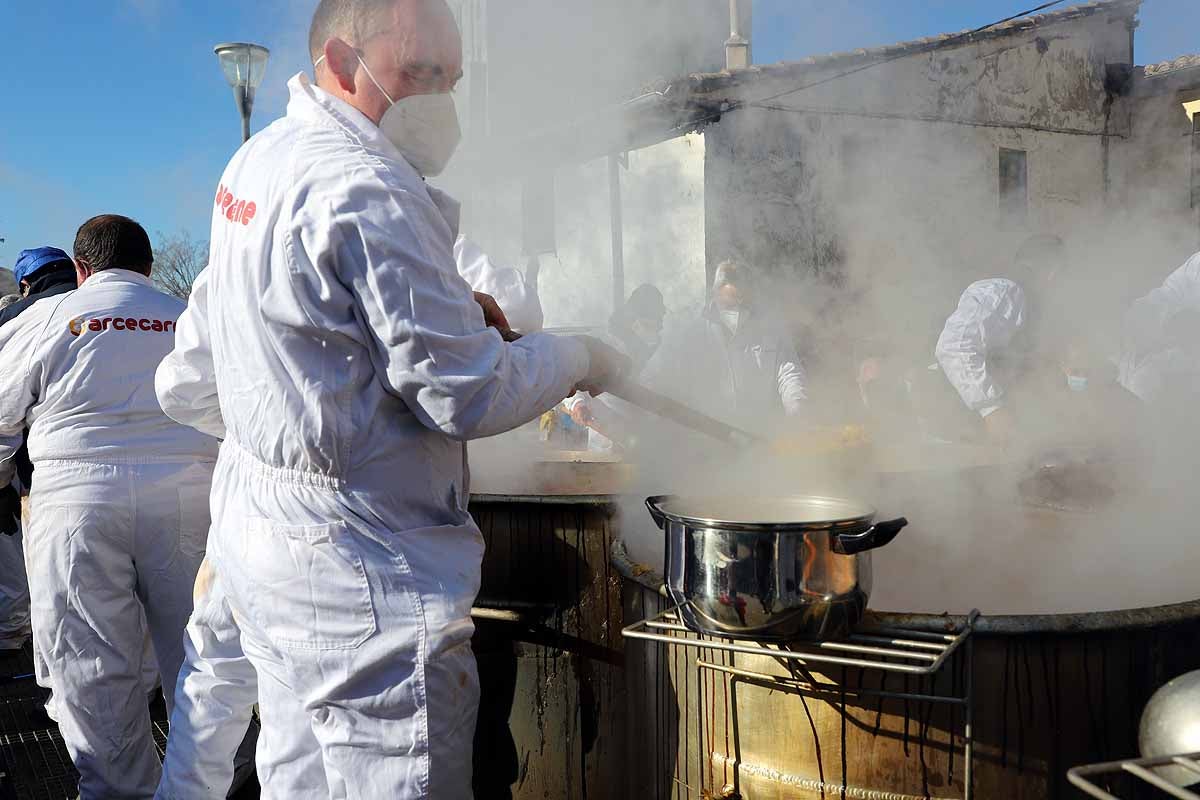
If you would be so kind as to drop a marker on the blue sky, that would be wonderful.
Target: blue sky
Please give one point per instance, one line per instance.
(118, 105)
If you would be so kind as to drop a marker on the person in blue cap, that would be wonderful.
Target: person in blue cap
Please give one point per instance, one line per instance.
(40, 272)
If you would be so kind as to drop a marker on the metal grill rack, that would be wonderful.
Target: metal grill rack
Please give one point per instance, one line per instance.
(1140, 769)
(885, 649)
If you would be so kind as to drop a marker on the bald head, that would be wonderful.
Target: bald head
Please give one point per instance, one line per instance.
(410, 46)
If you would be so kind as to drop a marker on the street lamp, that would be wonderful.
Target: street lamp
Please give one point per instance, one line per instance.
(244, 66)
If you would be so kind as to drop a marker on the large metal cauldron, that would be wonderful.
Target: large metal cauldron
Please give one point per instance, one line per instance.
(1052, 690)
(771, 569)
(548, 645)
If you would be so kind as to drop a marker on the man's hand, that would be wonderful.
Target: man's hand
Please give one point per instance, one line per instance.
(493, 315)
(581, 414)
(608, 367)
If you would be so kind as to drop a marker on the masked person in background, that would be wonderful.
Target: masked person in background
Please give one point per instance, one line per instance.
(40, 273)
(735, 362)
(120, 506)
(636, 330)
(350, 363)
(986, 345)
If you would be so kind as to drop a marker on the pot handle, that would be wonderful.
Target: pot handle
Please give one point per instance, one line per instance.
(880, 534)
(660, 519)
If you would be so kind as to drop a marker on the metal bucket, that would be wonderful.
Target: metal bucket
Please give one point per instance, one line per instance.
(774, 569)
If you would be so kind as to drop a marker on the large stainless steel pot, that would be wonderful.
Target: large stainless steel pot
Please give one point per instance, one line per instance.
(773, 569)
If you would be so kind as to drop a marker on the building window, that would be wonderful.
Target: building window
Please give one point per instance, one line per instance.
(1014, 182)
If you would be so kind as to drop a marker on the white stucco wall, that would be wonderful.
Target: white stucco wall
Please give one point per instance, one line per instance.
(662, 192)
(882, 243)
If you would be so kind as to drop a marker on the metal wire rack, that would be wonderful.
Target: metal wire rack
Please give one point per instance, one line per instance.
(1143, 770)
(886, 649)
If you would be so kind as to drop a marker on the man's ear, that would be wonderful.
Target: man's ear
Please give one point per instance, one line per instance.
(342, 62)
(25, 287)
(82, 271)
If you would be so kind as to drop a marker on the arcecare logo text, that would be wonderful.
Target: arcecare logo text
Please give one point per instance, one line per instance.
(80, 324)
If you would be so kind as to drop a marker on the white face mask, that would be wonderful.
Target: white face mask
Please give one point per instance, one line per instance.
(1077, 383)
(731, 319)
(424, 127)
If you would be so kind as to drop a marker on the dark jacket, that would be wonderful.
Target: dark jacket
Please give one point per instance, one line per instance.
(46, 282)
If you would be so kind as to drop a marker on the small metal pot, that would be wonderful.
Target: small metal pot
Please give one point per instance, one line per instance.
(771, 570)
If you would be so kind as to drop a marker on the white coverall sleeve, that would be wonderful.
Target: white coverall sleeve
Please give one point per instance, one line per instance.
(1145, 322)
(428, 340)
(793, 381)
(982, 325)
(1180, 290)
(518, 300)
(186, 381)
(20, 376)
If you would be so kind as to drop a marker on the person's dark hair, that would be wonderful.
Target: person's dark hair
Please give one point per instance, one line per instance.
(342, 19)
(111, 241)
(645, 303)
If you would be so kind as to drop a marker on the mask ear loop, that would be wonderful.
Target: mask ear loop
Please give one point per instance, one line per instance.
(363, 64)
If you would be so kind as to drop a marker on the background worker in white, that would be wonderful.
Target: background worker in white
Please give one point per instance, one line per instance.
(985, 346)
(1147, 339)
(351, 361)
(520, 301)
(120, 504)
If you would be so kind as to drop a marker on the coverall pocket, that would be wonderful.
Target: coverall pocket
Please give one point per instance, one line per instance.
(193, 520)
(310, 586)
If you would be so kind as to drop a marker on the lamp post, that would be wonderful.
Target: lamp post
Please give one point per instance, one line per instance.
(244, 66)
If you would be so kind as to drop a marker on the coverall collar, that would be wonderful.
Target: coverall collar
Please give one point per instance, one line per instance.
(113, 275)
(311, 103)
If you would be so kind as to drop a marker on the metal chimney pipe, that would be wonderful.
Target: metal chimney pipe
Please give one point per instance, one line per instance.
(737, 48)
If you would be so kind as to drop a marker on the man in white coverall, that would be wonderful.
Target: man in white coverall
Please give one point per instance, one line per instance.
(217, 685)
(351, 361)
(1147, 326)
(120, 505)
(985, 344)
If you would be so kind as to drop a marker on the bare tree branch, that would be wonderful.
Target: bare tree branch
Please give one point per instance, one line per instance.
(178, 259)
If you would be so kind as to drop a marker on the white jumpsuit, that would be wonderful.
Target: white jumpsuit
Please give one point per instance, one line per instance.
(975, 338)
(119, 513)
(217, 685)
(14, 593)
(1145, 326)
(507, 285)
(350, 362)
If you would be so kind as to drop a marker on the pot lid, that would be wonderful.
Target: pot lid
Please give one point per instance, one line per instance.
(799, 511)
